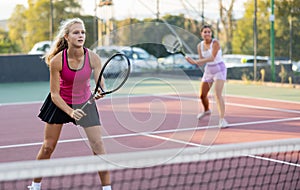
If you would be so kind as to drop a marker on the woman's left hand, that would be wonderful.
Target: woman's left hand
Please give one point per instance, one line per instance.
(77, 114)
(98, 95)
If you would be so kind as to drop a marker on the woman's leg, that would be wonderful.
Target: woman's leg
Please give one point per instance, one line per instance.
(95, 139)
(219, 85)
(204, 89)
(51, 136)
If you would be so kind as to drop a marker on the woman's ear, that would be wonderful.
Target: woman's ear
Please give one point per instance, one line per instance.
(66, 37)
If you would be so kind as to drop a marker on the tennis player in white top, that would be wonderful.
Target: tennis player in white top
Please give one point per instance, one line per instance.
(215, 71)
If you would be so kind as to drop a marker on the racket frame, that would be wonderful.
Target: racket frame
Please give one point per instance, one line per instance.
(98, 83)
(176, 42)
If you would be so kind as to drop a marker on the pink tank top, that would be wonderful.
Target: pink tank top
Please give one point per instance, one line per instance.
(75, 84)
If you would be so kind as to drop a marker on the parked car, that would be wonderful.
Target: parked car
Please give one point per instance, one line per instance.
(141, 60)
(40, 47)
(282, 61)
(239, 60)
(296, 66)
(177, 61)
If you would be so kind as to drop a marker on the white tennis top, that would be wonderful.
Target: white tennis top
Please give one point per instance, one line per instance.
(208, 53)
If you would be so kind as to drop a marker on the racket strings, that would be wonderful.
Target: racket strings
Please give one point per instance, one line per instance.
(115, 73)
(111, 82)
(176, 46)
(172, 44)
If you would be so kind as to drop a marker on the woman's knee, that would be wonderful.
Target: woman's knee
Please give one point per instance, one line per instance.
(97, 147)
(48, 148)
(203, 96)
(219, 97)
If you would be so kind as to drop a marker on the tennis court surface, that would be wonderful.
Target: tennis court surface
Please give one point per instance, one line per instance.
(154, 140)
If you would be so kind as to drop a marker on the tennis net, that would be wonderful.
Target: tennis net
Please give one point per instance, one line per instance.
(258, 165)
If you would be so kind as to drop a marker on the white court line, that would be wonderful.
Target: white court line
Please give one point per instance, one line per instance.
(162, 94)
(265, 99)
(238, 105)
(176, 141)
(237, 124)
(185, 98)
(157, 132)
(20, 103)
(249, 155)
(171, 130)
(152, 134)
(274, 160)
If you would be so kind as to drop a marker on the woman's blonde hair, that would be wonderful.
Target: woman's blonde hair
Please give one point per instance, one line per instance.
(60, 42)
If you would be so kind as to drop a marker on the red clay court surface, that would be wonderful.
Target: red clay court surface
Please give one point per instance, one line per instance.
(150, 123)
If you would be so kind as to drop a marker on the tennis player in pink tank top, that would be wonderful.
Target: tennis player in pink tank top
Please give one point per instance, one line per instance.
(71, 66)
(75, 83)
(215, 71)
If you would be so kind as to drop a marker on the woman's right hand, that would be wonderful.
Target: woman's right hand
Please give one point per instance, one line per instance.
(77, 114)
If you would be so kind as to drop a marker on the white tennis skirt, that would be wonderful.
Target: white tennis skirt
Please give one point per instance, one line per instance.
(215, 72)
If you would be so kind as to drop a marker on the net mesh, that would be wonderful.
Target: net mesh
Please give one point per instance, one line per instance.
(261, 165)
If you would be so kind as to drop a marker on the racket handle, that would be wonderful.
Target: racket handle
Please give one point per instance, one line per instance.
(90, 101)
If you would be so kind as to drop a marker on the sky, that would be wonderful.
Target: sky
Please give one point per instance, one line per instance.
(140, 8)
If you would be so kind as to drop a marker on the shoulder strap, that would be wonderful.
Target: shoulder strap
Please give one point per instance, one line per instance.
(202, 46)
(87, 57)
(212, 42)
(64, 57)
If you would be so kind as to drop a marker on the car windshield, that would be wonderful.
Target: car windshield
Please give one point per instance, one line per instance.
(232, 60)
(258, 61)
(132, 54)
(243, 60)
(106, 52)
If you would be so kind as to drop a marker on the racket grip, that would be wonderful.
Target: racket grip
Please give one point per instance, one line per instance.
(90, 101)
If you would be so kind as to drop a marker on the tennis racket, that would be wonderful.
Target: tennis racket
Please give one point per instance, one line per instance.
(173, 44)
(114, 74)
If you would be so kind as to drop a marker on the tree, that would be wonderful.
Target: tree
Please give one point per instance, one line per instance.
(226, 17)
(16, 25)
(28, 26)
(289, 14)
(37, 22)
(6, 44)
(148, 33)
(38, 18)
(243, 33)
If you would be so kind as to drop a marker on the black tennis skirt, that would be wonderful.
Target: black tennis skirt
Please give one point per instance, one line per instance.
(52, 114)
